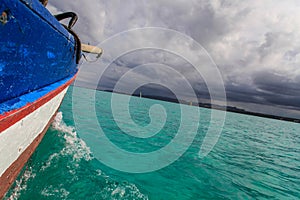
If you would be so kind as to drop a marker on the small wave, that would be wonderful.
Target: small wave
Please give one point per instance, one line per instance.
(49, 161)
(74, 145)
(62, 193)
(21, 184)
(77, 148)
(123, 191)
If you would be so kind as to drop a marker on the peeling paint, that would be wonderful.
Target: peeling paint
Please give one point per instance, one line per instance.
(33, 50)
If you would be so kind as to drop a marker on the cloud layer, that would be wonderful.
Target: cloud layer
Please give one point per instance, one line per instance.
(255, 44)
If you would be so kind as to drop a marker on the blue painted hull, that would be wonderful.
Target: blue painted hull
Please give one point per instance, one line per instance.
(35, 50)
(38, 62)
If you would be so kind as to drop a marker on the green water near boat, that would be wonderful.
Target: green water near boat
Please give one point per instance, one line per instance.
(255, 158)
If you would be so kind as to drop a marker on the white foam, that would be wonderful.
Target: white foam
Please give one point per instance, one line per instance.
(60, 125)
(74, 145)
(77, 148)
(122, 191)
(49, 161)
(51, 191)
(21, 184)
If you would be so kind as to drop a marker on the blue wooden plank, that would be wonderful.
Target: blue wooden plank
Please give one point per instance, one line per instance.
(33, 54)
(38, 8)
(31, 97)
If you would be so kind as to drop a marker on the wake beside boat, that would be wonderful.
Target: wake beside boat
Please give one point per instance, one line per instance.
(38, 62)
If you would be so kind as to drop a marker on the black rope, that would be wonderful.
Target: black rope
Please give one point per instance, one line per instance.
(66, 15)
(72, 22)
(77, 44)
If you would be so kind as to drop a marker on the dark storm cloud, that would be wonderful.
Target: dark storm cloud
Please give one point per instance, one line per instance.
(278, 89)
(242, 93)
(269, 82)
(268, 88)
(255, 44)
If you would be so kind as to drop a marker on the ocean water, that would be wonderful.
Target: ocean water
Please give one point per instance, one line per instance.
(254, 158)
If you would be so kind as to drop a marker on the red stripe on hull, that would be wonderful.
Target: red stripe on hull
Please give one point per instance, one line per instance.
(10, 175)
(10, 118)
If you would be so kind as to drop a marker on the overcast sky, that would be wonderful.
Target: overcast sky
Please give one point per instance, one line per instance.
(254, 43)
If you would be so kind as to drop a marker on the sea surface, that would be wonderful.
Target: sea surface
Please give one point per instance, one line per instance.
(254, 158)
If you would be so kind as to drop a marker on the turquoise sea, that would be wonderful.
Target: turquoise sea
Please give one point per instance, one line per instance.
(254, 158)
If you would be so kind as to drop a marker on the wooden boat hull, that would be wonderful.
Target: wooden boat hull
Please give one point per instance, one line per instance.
(38, 62)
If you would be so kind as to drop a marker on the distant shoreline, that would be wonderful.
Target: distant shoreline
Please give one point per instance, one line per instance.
(228, 108)
(210, 106)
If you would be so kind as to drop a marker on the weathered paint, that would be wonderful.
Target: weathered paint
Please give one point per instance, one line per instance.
(17, 139)
(17, 103)
(35, 50)
(39, 9)
(10, 118)
(37, 64)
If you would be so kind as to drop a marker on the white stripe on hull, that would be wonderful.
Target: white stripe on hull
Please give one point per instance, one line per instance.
(15, 139)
